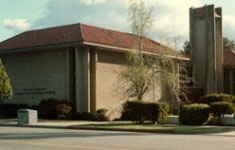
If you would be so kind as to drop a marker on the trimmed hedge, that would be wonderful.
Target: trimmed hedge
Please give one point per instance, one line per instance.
(83, 116)
(99, 115)
(220, 104)
(163, 110)
(194, 114)
(51, 108)
(10, 110)
(211, 98)
(138, 111)
(220, 108)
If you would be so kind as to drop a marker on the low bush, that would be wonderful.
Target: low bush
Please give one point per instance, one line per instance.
(211, 98)
(52, 108)
(194, 114)
(163, 110)
(86, 116)
(233, 100)
(10, 110)
(139, 112)
(63, 109)
(220, 108)
(99, 115)
(134, 111)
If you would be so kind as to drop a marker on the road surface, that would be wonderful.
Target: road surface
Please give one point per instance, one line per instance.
(21, 138)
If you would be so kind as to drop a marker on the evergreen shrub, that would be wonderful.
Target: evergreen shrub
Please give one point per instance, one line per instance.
(51, 108)
(194, 114)
(138, 111)
(85, 116)
(99, 115)
(210, 98)
(220, 108)
(10, 110)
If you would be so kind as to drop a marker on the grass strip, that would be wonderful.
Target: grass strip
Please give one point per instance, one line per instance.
(178, 129)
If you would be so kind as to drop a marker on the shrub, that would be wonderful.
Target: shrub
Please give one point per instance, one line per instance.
(52, 108)
(63, 109)
(220, 108)
(134, 111)
(101, 115)
(83, 116)
(10, 110)
(47, 109)
(210, 98)
(163, 111)
(194, 114)
(233, 100)
(139, 112)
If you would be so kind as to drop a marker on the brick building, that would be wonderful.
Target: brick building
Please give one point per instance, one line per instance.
(229, 72)
(78, 63)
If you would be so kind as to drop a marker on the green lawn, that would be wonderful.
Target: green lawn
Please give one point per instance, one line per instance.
(8, 120)
(178, 129)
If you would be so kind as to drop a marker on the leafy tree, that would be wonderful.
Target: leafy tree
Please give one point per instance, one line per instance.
(186, 48)
(5, 86)
(228, 44)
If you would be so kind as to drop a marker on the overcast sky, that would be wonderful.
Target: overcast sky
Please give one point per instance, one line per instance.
(171, 17)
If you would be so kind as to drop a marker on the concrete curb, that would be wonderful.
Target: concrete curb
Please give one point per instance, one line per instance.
(33, 126)
(167, 131)
(73, 127)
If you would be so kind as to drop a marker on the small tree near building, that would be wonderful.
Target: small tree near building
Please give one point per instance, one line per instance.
(228, 44)
(137, 74)
(136, 77)
(5, 85)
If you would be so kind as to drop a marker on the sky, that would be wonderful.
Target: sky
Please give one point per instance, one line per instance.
(171, 17)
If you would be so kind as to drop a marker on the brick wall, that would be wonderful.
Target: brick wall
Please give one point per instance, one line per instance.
(108, 95)
(38, 75)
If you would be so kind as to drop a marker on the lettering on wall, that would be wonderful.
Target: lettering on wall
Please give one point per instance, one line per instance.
(35, 91)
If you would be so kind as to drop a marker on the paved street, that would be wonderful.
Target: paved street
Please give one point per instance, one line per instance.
(20, 138)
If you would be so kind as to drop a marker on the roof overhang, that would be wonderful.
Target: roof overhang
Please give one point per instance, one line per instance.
(39, 48)
(84, 43)
(119, 49)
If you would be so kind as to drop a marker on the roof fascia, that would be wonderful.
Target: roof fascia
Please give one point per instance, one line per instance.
(118, 49)
(74, 44)
(37, 48)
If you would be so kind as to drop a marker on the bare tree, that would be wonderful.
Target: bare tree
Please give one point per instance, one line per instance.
(141, 20)
(136, 77)
(137, 74)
